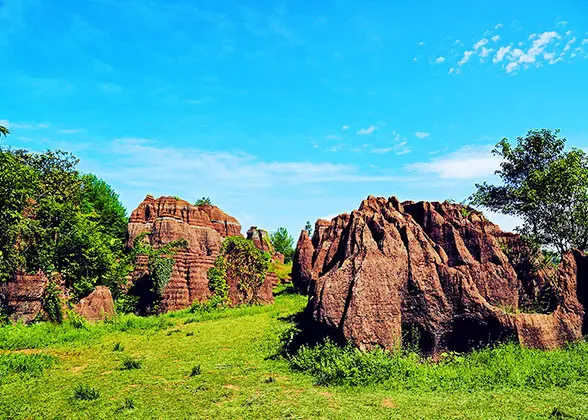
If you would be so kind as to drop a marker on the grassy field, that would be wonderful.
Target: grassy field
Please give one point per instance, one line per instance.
(227, 364)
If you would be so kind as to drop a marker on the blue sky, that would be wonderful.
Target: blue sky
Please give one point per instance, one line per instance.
(287, 111)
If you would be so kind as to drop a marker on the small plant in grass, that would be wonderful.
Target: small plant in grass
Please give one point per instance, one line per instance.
(117, 346)
(196, 370)
(129, 363)
(190, 334)
(86, 393)
(129, 404)
(270, 380)
(77, 321)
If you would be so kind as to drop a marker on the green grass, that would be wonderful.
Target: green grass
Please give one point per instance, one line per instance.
(228, 364)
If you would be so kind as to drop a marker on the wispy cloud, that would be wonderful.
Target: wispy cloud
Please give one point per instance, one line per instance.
(440, 60)
(345, 127)
(469, 162)
(71, 131)
(422, 134)
(23, 125)
(367, 131)
(149, 163)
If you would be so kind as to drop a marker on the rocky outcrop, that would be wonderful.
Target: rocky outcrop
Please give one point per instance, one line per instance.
(97, 306)
(21, 297)
(167, 219)
(261, 239)
(438, 275)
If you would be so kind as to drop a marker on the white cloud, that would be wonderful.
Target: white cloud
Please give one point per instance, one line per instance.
(451, 70)
(366, 131)
(440, 60)
(507, 223)
(466, 58)
(495, 38)
(512, 66)
(422, 134)
(584, 41)
(563, 23)
(485, 52)
(502, 51)
(469, 162)
(345, 127)
(569, 44)
(480, 43)
(421, 43)
(498, 26)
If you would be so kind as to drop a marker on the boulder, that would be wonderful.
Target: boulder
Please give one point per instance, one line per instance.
(261, 239)
(97, 306)
(439, 275)
(22, 296)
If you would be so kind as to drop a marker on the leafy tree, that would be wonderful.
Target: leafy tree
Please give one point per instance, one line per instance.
(308, 227)
(55, 220)
(101, 202)
(283, 243)
(204, 201)
(4, 131)
(546, 186)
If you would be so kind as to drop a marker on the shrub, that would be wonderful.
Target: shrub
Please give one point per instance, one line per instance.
(52, 303)
(204, 201)
(85, 393)
(117, 346)
(129, 363)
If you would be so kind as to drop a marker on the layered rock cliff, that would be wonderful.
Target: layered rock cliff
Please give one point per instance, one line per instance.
(437, 274)
(168, 219)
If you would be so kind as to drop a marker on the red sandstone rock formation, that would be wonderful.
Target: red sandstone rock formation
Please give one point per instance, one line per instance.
(22, 296)
(167, 219)
(261, 239)
(97, 306)
(438, 272)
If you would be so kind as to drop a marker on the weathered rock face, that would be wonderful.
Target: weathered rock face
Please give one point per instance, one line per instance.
(97, 306)
(167, 219)
(436, 274)
(261, 239)
(22, 296)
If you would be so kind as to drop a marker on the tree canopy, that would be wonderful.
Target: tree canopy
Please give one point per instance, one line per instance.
(283, 243)
(543, 184)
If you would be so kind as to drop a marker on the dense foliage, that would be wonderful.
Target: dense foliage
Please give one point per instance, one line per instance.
(546, 186)
(56, 220)
(283, 243)
(239, 263)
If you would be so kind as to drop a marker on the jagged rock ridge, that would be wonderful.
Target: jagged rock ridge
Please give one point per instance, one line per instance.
(439, 274)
